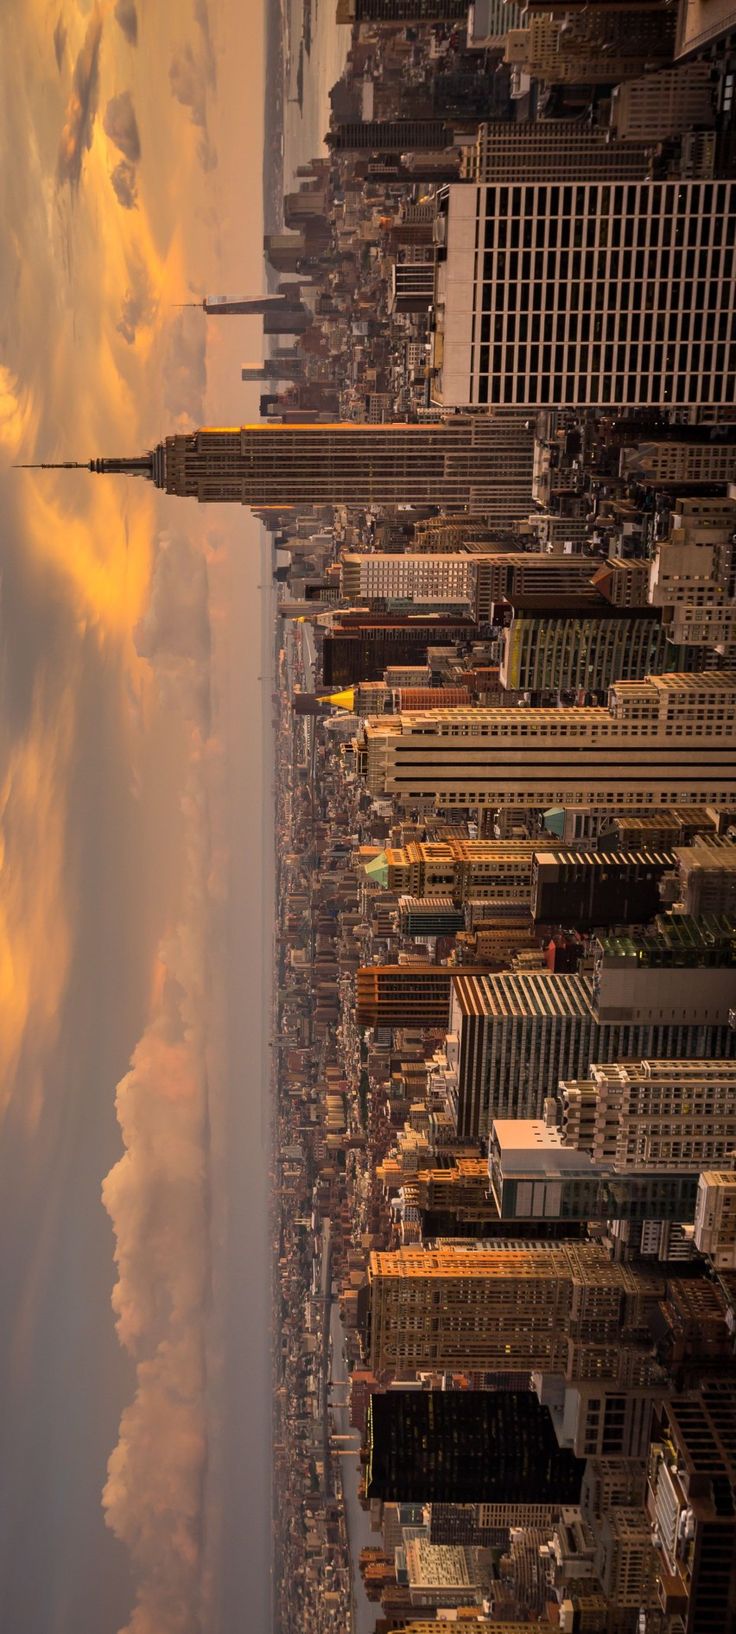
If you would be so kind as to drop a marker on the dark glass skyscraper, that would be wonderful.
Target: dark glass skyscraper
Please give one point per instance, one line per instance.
(467, 1446)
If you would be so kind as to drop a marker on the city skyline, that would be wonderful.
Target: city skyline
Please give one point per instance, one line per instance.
(368, 825)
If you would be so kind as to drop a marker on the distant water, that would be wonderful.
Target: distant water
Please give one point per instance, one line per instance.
(295, 125)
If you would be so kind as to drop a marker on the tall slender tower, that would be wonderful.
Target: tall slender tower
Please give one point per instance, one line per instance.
(477, 463)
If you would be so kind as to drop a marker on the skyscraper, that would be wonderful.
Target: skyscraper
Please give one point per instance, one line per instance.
(559, 1307)
(692, 1497)
(580, 646)
(593, 44)
(474, 462)
(429, 916)
(535, 1177)
(551, 150)
(409, 995)
(589, 889)
(513, 1036)
(362, 651)
(668, 740)
(467, 1446)
(401, 11)
(459, 868)
(587, 293)
(390, 136)
(654, 1115)
(422, 579)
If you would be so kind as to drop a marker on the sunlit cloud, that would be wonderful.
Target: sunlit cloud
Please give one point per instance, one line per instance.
(121, 126)
(16, 413)
(157, 1195)
(125, 184)
(81, 108)
(33, 901)
(127, 16)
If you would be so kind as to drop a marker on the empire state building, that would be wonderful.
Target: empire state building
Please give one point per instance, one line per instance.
(477, 463)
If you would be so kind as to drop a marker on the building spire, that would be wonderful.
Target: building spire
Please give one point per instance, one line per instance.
(140, 465)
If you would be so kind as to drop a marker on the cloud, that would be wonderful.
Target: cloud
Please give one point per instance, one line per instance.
(125, 187)
(126, 15)
(139, 306)
(76, 135)
(188, 83)
(121, 125)
(192, 75)
(157, 1199)
(185, 368)
(59, 41)
(157, 1195)
(174, 632)
(201, 17)
(206, 154)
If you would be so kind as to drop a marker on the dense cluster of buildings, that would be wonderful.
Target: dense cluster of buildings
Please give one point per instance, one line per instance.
(498, 461)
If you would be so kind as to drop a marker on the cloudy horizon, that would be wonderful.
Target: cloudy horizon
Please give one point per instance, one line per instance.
(131, 638)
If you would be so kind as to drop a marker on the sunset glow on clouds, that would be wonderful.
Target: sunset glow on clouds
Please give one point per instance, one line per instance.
(107, 222)
(87, 365)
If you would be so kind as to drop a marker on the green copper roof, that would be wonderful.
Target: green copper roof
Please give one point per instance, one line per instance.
(554, 820)
(377, 869)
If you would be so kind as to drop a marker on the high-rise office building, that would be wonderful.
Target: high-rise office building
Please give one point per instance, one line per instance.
(581, 647)
(715, 1217)
(290, 366)
(489, 22)
(402, 11)
(691, 461)
(470, 1625)
(467, 1446)
(559, 1307)
(703, 880)
(462, 869)
(478, 463)
(692, 1499)
(586, 293)
(655, 106)
(429, 916)
(534, 1176)
(484, 1525)
(455, 1189)
(362, 651)
(423, 579)
(288, 300)
(412, 286)
(535, 574)
(668, 740)
(390, 136)
(551, 150)
(594, 44)
(409, 995)
(512, 1035)
(589, 889)
(653, 1115)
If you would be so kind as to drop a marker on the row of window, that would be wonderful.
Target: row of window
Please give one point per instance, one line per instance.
(589, 232)
(641, 296)
(683, 357)
(610, 266)
(621, 389)
(632, 198)
(561, 325)
(573, 797)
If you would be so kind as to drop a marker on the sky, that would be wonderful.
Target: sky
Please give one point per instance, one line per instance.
(133, 973)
